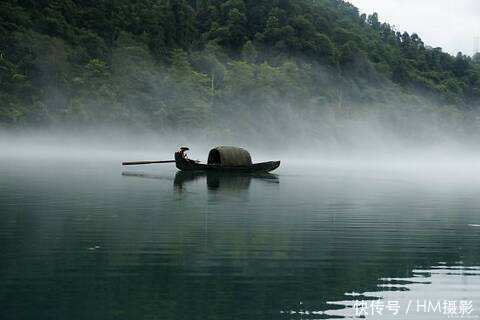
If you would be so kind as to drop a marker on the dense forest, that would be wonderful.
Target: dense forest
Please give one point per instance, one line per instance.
(162, 64)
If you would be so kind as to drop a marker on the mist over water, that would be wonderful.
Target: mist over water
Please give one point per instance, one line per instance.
(361, 215)
(363, 148)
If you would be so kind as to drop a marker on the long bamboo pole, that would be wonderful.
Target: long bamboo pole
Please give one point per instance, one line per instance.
(136, 163)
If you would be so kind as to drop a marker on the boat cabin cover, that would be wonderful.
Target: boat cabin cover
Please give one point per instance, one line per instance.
(229, 156)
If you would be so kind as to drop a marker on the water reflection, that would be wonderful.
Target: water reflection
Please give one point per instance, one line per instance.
(214, 180)
(146, 175)
(225, 181)
(92, 244)
(439, 292)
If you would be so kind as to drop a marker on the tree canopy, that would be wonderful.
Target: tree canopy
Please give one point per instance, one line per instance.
(162, 62)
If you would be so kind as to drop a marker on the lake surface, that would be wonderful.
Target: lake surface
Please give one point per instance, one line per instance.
(83, 240)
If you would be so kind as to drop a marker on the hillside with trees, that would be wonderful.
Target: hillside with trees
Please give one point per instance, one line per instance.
(162, 64)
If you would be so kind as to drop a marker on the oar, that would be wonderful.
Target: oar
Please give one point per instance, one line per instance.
(136, 163)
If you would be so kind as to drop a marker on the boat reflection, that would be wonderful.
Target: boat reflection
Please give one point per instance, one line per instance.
(145, 175)
(222, 181)
(214, 180)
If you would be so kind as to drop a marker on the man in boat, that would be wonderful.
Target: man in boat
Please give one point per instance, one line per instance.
(181, 154)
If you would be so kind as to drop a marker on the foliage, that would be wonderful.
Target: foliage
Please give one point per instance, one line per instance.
(173, 63)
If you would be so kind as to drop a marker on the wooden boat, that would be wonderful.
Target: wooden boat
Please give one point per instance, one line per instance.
(225, 159)
(220, 159)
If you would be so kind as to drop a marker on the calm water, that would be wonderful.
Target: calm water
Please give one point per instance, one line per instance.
(83, 241)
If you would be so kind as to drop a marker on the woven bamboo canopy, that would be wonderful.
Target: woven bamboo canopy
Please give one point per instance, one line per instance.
(229, 156)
